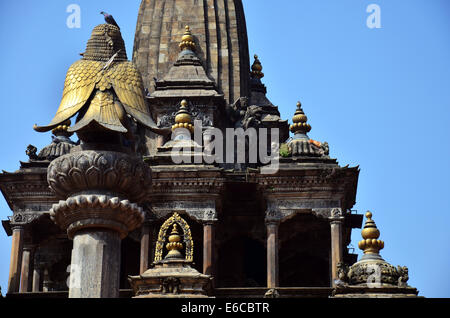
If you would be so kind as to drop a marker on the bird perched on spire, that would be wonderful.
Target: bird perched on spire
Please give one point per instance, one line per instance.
(109, 19)
(104, 89)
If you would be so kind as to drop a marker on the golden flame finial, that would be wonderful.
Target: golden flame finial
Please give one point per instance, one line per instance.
(187, 41)
(183, 118)
(370, 234)
(300, 121)
(257, 68)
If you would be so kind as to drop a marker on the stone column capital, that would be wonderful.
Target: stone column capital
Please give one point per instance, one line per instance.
(336, 216)
(17, 226)
(273, 217)
(29, 247)
(209, 217)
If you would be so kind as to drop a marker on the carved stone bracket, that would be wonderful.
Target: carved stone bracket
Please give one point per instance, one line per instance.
(336, 215)
(22, 219)
(210, 216)
(204, 211)
(168, 119)
(284, 209)
(273, 216)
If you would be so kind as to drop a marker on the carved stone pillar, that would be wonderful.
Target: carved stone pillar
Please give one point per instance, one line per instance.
(272, 224)
(16, 259)
(336, 220)
(46, 280)
(36, 278)
(25, 271)
(208, 248)
(98, 186)
(146, 238)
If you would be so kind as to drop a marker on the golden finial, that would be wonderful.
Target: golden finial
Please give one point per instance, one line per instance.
(183, 118)
(174, 246)
(257, 68)
(300, 121)
(187, 41)
(61, 130)
(370, 234)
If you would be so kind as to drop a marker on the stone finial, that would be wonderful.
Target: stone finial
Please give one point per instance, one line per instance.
(183, 118)
(370, 234)
(187, 41)
(300, 121)
(257, 68)
(174, 246)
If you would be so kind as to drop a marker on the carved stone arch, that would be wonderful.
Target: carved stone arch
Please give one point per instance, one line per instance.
(187, 237)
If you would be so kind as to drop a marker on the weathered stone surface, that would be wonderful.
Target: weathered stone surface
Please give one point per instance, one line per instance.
(95, 269)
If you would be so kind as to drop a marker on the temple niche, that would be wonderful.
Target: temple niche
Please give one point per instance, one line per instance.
(112, 187)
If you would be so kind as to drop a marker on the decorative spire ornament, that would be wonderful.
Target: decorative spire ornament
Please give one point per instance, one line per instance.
(300, 121)
(183, 118)
(187, 41)
(257, 68)
(174, 246)
(370, 234)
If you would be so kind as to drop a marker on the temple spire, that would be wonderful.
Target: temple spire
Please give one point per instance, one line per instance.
(220, 41)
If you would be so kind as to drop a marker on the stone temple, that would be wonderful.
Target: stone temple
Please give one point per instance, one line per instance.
(150, 200)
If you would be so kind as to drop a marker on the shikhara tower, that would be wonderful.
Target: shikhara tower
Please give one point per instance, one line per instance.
(184, 230)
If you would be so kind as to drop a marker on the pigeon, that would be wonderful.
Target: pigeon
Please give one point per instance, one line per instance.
(109, 19)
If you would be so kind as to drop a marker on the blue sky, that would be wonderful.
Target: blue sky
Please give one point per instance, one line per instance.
(379, 97)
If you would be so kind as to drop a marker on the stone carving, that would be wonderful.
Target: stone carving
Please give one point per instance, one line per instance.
(87, 211)
(189, 245)
(272, 293)
(273, 216)
(168, 120)
(210, 215)
(252, 117)
(31, 152)
(373, 273)
(336, 213)
(325, 149)
(342, 272)
(24, 218)
(108, 171)
(200, 211)
(237, 110)
(404, 276)
(170, 285)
